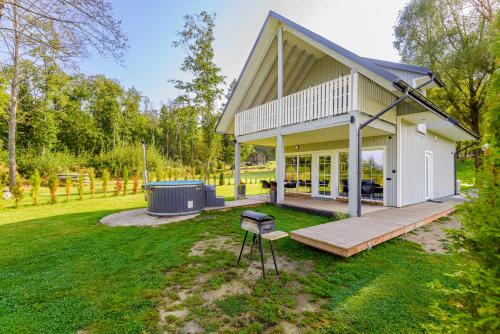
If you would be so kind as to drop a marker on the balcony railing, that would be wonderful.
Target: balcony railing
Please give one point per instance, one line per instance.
(321, 101)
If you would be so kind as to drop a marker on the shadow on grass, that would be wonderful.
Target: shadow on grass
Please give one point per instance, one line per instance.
(68, 272)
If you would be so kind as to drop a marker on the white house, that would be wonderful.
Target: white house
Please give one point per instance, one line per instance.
(312, 100)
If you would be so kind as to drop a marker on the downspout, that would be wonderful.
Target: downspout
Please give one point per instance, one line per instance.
(455, 156)
(360, 137)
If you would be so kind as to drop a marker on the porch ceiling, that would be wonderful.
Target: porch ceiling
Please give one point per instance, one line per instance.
(340, 132)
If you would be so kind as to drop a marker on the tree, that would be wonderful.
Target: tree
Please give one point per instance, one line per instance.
(451, 37)
(475, 301)
(53, 31)
(204, 90)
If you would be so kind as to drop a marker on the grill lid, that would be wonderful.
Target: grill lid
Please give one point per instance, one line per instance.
(256, 216)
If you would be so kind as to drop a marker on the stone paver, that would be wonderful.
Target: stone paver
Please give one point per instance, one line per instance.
(139, 217)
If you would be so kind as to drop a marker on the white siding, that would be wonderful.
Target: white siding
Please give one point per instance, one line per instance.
(325, 69)
(412, 170)
(373, 98)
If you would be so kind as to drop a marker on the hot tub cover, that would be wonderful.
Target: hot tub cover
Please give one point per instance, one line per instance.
(176, 183)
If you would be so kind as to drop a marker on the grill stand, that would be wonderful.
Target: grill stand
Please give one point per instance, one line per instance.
(257, 237)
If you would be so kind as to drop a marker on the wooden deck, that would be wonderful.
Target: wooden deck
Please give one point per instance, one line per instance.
(350, 236)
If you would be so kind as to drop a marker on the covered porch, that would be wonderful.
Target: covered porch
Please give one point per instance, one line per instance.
(324, 206)
(315, 170)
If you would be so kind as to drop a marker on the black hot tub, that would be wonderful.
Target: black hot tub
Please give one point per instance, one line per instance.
(173, 198)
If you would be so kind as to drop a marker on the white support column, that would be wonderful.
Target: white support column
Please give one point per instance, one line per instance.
(280, 77)
(353, 181)
(280, 168)
(237, 147)
(280, 146)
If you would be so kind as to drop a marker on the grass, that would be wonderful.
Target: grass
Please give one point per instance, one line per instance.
(466, 173)
(61, 271)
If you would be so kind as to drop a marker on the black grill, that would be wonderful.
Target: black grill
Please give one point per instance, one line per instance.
(256, 222)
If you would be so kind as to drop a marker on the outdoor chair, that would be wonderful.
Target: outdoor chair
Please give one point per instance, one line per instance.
(290, 185)
(265, 188)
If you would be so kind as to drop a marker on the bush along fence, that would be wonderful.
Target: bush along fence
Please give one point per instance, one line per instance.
(88, 185)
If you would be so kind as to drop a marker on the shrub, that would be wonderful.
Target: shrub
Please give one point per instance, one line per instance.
(81, 183)
(152, 176)
(135, 187)
(169, 172)
(125, 180)
(53, 185)
(476, 299)
(68, 187)
(105, 180)
(50, 163)
(118, 186)
(129, 156)
(18, 191)
(222, 180)
(160, 172)
(92, 182)
(36, 181)
(4, 175)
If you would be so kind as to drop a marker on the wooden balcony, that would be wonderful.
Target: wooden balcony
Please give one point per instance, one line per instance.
(321, 101)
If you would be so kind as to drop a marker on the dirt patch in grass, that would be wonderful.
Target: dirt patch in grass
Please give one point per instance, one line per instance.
(215, 244)
(236, 287)
(227, 297)
(432, 237)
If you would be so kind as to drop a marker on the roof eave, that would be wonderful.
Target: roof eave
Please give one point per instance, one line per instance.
(414, 94)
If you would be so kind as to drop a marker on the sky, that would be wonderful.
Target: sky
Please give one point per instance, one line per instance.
(362, 26)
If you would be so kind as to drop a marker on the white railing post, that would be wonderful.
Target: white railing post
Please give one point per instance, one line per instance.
(354, 90)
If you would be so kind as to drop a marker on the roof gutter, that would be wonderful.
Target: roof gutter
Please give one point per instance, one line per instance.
(437, 79)
(429, 105)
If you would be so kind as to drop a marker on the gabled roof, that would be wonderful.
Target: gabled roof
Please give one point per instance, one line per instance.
(377, 68)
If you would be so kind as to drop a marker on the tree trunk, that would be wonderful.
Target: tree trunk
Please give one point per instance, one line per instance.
(14, 89)
(478, 154)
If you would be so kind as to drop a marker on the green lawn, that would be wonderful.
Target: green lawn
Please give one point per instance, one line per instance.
(466, 173)
(61, 271)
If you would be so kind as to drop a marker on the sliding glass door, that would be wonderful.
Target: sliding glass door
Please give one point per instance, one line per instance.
(372, 179)
(343, 174)
(325, 175)
(298, 173)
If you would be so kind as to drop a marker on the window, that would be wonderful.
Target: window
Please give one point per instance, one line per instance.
(298, 171)
(343, 174)
(325, 170)
(372, 183)
(372, 180)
